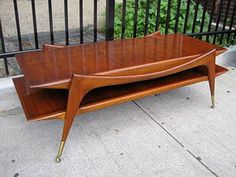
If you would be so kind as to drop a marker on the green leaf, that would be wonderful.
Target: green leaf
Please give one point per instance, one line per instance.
(162, 20)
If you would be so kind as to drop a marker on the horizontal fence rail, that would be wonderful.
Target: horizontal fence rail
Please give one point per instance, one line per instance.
(209, 20)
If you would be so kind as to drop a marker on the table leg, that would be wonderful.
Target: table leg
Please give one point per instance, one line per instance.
(58, 157)
(211, 79)
(76, 94)
(67, 125)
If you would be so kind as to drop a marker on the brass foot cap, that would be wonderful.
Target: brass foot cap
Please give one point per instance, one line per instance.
(58, 159)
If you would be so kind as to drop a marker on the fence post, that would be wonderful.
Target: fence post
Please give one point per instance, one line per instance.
(3, 48)
(110, 12)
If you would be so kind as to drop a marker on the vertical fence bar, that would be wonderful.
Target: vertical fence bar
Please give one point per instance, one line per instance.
(195, 16)
(95, 13)
(135, 18)
(123, 19)
(17, 24)
(218, 19)
(3, 48)
(177, 16)
(168, 16)
(50, 21)
(146, 17)
(35, 24)
(211, 18)
(66, 21)
(231, 22)
(205, 3)
(110, 12)
(186, 16)
(81, 22)
(225, 20)
(158, 14)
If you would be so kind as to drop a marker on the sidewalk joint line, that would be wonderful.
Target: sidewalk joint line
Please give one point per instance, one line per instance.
(159, 124)
(202, 163)
(172, 136)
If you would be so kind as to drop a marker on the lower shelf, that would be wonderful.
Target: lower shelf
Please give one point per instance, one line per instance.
(41, 104)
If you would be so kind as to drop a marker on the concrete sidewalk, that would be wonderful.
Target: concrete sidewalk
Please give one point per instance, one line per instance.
(174, 134)
(7, 15)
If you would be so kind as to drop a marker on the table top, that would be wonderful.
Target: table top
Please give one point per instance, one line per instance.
(52, 66)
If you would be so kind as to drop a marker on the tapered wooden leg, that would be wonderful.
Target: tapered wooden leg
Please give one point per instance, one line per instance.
(213, 101)
(75, 96)
(67, 126)
(211, 79)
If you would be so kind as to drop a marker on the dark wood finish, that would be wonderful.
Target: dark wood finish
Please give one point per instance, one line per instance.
(63, 81)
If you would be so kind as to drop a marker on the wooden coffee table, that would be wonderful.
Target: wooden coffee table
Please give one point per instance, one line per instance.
(64, 81)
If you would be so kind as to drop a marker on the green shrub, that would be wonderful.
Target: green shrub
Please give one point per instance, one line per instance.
(152, 17)
(129, 28)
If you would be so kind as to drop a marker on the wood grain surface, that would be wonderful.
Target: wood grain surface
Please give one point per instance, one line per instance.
(53, 67)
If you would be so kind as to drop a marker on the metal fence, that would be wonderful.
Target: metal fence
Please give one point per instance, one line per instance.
(221, 23)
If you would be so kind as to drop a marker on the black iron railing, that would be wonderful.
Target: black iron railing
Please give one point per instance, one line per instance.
(221, 22)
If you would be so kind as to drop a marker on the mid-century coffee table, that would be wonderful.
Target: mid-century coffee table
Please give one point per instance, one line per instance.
(61, 82)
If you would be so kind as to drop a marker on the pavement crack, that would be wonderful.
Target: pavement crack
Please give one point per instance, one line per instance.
(172, 136)
(90, 161)
(197, 158)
